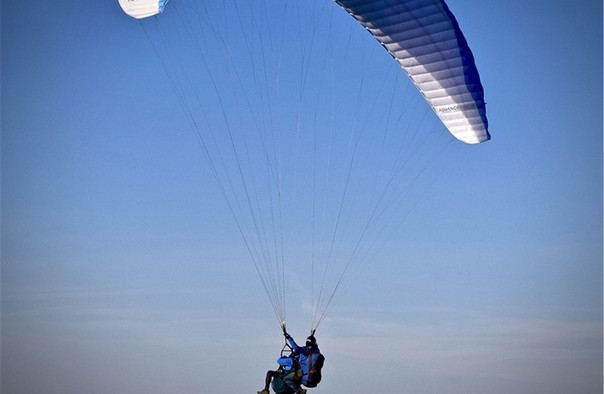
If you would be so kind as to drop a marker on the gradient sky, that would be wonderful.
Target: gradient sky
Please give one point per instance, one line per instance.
(123, 270)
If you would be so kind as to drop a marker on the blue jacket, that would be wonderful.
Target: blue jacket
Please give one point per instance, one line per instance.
(286, 362)
(307, 356)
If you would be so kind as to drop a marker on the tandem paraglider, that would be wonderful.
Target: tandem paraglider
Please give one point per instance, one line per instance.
(318, 159)
(298, 366)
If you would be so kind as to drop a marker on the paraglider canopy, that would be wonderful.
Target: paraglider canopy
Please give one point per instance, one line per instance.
(140, 9)
(424, 38)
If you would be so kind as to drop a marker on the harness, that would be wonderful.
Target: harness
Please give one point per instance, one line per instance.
(315, 363)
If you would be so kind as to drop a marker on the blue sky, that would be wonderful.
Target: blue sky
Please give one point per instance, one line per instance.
(123, 269)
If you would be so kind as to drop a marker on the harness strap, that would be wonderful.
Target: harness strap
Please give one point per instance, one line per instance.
(310, 362)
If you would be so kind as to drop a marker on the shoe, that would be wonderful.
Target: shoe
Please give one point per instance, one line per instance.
(302, 391)
(263, 392)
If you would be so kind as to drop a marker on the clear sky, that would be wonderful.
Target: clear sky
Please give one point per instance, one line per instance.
(123, 270)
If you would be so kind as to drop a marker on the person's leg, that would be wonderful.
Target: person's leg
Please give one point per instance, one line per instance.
(289, 380)
(270, 375)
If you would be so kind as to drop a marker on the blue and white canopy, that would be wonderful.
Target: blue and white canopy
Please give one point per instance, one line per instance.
(424, 38)
(142, 8)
